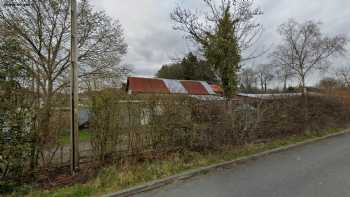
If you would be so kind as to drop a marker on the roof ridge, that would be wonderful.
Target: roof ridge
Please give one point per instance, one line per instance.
(168, 79)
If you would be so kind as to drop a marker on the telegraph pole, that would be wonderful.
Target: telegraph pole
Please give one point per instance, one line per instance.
(74, 91)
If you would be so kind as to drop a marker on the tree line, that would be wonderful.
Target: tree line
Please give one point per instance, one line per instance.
(228, 29)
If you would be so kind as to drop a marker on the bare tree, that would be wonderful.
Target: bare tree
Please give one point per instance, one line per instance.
(248, 79)
(199, 25)
(343, 75)
(329, 84)
(223, 32)
(284, 73)
(43, 30)
(304, 49)
(265, 75)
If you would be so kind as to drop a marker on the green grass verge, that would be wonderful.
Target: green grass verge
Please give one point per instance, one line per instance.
(114, 179)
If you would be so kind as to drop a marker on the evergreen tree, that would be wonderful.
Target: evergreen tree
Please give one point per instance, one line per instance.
(190, 68)
(223, 33)
(223, 53)
(171, 71)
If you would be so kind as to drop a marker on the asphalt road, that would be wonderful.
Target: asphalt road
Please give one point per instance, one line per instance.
(321, 169)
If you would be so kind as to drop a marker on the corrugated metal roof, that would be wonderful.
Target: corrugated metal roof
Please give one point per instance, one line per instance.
(194, 87)
(217, 88)
(270, 96)
(163, 86)
(142, 85)
(208, 88)
(175, 86)
(208, 97)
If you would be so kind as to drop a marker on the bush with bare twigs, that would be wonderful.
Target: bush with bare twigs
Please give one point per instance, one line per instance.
(133, 127)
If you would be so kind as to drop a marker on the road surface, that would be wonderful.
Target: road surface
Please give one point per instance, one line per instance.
(321, 169)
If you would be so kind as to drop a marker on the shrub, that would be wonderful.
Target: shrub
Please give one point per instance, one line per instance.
(139, 126)
(15, 146)
(16, 138)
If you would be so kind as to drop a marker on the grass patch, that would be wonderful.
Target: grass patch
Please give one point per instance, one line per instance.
(113, 179)
(84, 136)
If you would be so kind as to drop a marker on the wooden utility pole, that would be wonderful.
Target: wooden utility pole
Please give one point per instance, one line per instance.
(74, 91)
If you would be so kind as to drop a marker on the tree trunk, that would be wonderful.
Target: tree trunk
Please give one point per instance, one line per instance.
(303, 86)
(35, 123)
(46, 114)
(285, 78)
(306, 104)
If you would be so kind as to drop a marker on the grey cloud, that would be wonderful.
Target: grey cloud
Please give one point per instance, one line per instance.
(149, 34)
(152, 41)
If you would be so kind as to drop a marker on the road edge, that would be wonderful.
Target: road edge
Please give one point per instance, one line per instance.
(192, 173)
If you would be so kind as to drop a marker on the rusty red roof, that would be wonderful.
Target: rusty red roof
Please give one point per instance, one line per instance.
(166, 86)
(217, 88)
(194, 87)
(143, 85)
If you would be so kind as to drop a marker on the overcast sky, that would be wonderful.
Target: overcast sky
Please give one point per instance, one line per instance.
(153, 42)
